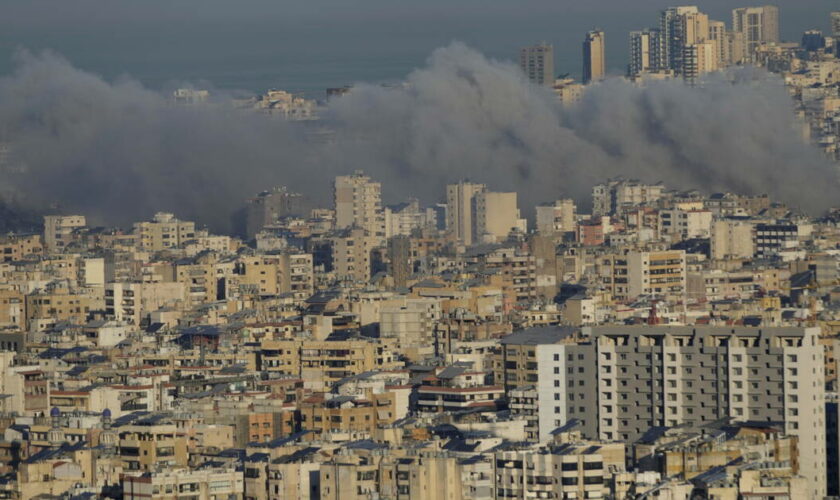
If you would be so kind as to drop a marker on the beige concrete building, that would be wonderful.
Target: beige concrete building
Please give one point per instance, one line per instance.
(656, 273)
(12, 312)
(411, 322)
(644, 52)
(16, 247)
(496, 215)
(716, 284)
(57, 304)
(292, 480)
(698, 59)
(679, 27)
(269, 206)
(358, 203)
(594, 61)
(619, 194)
(277, 274)
(728, 44)
(576, 470)
(557, 217)
(407, 218)
(151, 446)
(460, 212)
(636, 273)
(163, 232)
(432, 477)
(678, 225)
(568, 91)
(200, 279)
(537, 62)
(131, 302)
(351, 255)
(758, 25)
(59, 228)
(322, 363)
(732, 239)
(197, 484)
(348, 415)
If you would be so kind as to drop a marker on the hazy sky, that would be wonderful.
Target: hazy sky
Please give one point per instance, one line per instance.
(309, 45)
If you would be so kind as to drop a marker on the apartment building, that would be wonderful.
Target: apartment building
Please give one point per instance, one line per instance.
(645, 46)
(537, 62)
(719, 285)
(572, 470)
(131, 302)
(268, 207)
(556, 217)
(732, 239)
(208, 483)
(460, 204)
(277, 274)
(12, 314)
(163, 232)
(150, 445)
(347, 414)
(558, 371)
(594, 61)
(351, 255)
(322, 363)
(358, 203)
(636, 273)
(457, 388)
(667, 376)
(407, 218)
(411, 322)
(656, 273)
(771, 238)
(679, 225)
(56, 304)
(619, 381)
(495, 216)
(59, 229)
(619, 194)
(757, 25)
(514, 269)
(16, 247)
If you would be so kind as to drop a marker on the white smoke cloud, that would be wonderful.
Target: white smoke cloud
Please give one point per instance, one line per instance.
(119, 152)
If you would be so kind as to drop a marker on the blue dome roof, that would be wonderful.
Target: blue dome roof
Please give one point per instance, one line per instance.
(55, 412)
(106, 413)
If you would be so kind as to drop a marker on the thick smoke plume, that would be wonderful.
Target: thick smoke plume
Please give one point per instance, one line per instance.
(118, 152)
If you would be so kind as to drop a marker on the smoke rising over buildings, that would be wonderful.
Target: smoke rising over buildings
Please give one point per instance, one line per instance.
(117, 152)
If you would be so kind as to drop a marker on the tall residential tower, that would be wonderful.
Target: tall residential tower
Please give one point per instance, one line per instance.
(358, 203)
(537, 61)
(594, 65)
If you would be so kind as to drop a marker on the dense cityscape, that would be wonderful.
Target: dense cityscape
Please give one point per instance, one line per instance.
(640, 340)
